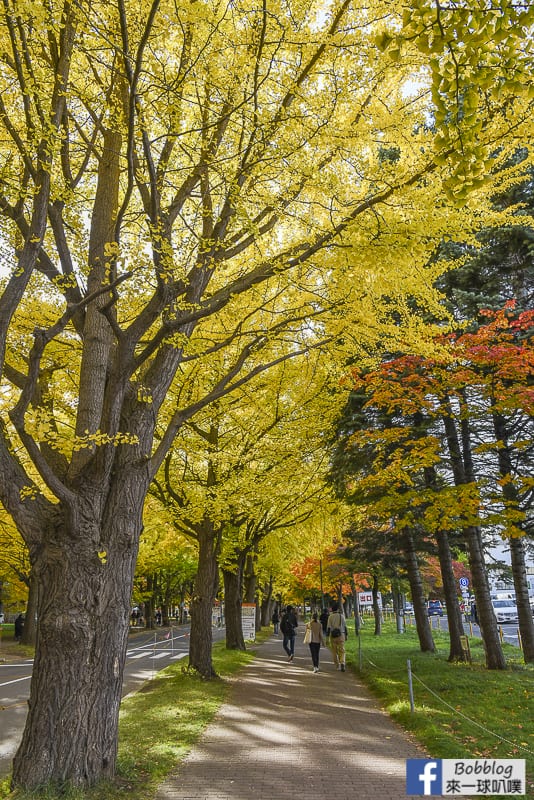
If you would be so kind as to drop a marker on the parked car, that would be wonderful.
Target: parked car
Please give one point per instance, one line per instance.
(505, 610)
(435, 607)
(2, 618)
(408, 608)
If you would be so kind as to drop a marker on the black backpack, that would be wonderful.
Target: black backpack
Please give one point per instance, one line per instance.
(286, 626)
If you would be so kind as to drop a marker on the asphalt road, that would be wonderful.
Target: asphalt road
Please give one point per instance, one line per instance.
(148, 653)
(509, 630)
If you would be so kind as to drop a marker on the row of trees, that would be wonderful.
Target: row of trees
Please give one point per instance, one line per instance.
(194, 197)
(437, 449)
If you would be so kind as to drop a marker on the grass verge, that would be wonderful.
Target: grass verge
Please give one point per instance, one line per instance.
(461, 710)
(10, 649)
(158, 726)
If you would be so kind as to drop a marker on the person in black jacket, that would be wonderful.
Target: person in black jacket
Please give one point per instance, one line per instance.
(323, 619)
(19, 627)
(275, 619)
(288, 626)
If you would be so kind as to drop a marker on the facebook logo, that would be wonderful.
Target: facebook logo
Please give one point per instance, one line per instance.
(423, 776)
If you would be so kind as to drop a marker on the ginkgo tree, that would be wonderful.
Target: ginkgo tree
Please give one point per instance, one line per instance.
(14, 569)
(295, 559)
(163, 166)
(166, 565)
(247, 466)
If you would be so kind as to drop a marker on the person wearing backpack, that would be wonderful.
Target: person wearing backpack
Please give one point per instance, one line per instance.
(337, 631)
(288, 626)
(275, 619)
(323, 619)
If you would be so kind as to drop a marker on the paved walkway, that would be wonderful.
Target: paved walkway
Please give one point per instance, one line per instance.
(287, 733)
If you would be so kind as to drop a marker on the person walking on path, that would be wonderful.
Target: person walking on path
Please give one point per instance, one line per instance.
(275, 619)
(19, 627)
(323, 619)
(288, 626)
(337, 630)
(316, 639)
(267, 741)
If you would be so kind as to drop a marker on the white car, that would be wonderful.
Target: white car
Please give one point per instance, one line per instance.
(1, 619)
(505, 610)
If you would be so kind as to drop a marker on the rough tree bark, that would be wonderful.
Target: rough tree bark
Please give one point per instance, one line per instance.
(204, 594)
(454, 615)
(267, 604)
(356, 601)
(526, 622)
(426, 641)
(29, 634)
(233, 593)
(83, 611)
(376, 608)
(517, 548)
(463, 471)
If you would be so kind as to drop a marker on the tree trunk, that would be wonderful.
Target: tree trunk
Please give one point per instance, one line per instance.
(202, 601)
(526, 623)
(349, 605)
(376, 607)
(149, 603)
(426, 641)
(267, 603)
(488, 624)
(463, 471)
(249, 579)
(70, 735)
(29, 634)
(233, 582)
(486, 618)
(398, 608)
(454, 615)
(357, 620)
(517, 549)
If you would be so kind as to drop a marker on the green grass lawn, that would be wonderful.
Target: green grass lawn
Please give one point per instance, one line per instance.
(461, 710)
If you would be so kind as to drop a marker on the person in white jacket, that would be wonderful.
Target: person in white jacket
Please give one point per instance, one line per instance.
(315, 638)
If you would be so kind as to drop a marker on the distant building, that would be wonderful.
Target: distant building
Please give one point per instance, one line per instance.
(499, 568)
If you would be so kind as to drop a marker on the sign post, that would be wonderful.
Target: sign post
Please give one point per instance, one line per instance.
(248, 621)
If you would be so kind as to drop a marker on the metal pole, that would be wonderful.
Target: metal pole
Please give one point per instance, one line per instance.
(400, 613)
(360, 653)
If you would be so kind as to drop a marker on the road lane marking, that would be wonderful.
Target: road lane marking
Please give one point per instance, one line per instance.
(17, 680)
